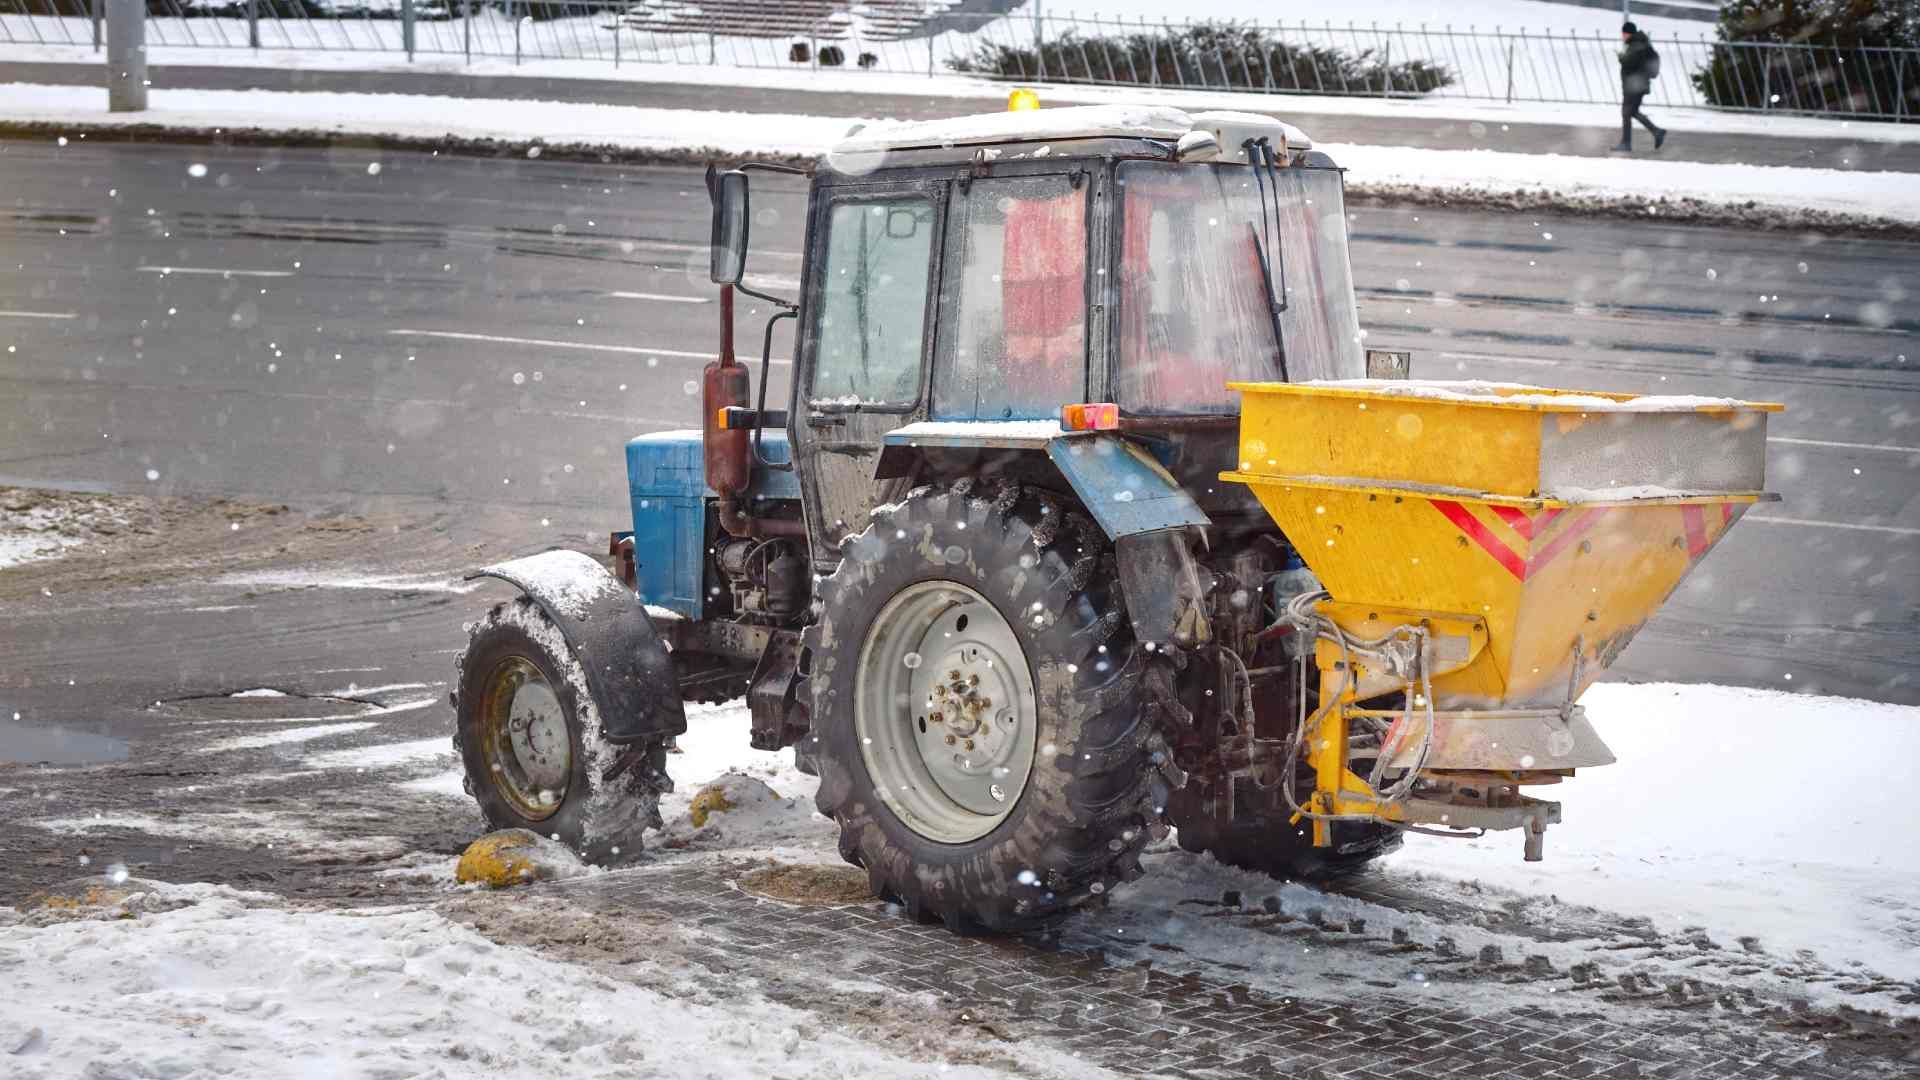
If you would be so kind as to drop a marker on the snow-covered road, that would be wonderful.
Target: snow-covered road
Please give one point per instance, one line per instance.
(1694, 863)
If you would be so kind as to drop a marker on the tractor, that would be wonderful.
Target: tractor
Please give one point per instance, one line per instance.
(1090, 516)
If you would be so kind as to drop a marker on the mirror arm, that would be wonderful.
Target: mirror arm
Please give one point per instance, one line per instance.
(766, 364)
(769, 166)
(788, 307)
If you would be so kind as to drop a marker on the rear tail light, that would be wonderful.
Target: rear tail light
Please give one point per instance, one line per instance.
(1092, 416)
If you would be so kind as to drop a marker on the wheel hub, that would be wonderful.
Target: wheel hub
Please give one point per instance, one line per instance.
(945, 711)
(528, 750)
(537, 730)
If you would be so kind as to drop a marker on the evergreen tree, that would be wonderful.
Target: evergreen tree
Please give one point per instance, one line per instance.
(1830, 59)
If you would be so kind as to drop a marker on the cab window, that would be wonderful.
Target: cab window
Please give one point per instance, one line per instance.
(1013, 306)
(870, 321)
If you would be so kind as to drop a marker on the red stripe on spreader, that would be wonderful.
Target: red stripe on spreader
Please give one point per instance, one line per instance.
(1694, 518)
(1726, 513)
(1586, 520)
(1540, 523)
(1465, 521)
(1516, 519)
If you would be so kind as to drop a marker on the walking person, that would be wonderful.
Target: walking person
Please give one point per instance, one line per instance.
(1639, 66)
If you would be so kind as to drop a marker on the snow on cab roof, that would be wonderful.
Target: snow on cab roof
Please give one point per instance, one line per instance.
(1033, 125)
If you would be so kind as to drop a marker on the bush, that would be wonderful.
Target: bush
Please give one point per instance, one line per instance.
(1222, 54)
(1831, 73)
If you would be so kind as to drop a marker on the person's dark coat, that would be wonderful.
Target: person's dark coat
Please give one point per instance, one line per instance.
(1638, 64)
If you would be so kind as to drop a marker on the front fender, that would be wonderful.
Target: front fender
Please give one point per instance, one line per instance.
(629, 670)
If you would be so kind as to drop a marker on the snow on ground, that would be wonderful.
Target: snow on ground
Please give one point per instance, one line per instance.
(17, 548)
(781, 823)
(282, 738)
(225, 986)
(992, 94)
(383, 755)
(345, 579)
(38, 525)
(296, 837)
(1785, 817)
(1873, 194)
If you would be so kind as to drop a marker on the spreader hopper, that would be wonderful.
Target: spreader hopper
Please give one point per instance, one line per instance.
(1515, 538)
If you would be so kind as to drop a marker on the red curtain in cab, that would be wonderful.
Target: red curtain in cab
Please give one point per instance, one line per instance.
(1043, 283)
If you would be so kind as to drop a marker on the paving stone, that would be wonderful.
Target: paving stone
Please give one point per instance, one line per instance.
(1092, 996)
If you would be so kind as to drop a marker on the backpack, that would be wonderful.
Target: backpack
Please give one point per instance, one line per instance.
(1651, 67)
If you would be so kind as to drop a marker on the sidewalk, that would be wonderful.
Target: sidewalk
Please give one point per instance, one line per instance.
(1572, 130)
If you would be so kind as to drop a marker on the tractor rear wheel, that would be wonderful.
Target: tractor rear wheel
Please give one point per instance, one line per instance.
(528, 733)
(977, 715)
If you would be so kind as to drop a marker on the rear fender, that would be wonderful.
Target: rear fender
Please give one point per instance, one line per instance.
(629, 670)
(1118, 481)
(1139, 505)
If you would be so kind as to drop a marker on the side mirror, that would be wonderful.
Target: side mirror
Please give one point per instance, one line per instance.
(1389, 364)
(730, 220)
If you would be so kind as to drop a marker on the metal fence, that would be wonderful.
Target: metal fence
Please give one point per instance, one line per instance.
(1485, 64)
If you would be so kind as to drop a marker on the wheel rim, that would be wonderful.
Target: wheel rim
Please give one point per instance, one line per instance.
(524, 736)
(944, 710)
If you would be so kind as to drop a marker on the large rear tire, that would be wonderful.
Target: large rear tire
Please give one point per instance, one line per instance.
(528, 733)
(1033, 786)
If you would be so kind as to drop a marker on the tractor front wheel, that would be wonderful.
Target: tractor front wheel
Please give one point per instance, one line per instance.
(978, 721)
(528, 733)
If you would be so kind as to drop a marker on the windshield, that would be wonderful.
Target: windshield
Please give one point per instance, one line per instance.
(1193, 312)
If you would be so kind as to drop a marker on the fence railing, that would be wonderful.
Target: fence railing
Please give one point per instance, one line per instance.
(1534, 66)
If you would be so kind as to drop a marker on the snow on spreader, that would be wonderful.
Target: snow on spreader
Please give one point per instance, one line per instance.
(1487, 550)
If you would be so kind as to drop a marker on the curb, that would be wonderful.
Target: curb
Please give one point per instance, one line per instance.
(1679, 211)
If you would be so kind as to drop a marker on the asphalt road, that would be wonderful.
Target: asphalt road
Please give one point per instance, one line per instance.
(460, 347)
(1593, 140)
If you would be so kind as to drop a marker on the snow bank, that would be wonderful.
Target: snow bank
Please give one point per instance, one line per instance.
(1784, 817)
(1882, 195)
(221, 988)
(1874, 194)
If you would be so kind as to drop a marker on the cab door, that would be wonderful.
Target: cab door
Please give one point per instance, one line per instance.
(864, 345)
(1013, 298)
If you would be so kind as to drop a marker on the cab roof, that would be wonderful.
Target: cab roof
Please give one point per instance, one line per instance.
(966, 134)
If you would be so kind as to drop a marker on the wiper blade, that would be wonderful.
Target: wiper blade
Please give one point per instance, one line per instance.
(1266, 286)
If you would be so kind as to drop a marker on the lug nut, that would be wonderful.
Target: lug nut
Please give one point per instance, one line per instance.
(969, 744)
(951, 740)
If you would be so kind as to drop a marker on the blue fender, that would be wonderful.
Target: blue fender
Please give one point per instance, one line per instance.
(629, 671)
(1117, 480)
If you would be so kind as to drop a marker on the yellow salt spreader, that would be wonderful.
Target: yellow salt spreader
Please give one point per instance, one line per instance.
(1486, 551)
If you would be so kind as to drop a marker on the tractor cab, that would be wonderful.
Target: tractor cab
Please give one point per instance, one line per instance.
(993, 269)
